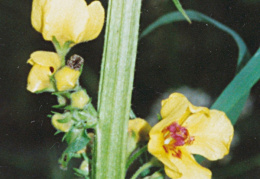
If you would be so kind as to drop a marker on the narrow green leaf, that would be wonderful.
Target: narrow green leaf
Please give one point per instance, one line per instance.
(182, 11)
(243, 55)
(232, 98)
(135, 156)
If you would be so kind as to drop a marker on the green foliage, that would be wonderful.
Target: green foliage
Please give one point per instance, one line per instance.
(243, 55)
(132, 158)
(232, 98)
(229, 102)
(182, 11)
(77, 140)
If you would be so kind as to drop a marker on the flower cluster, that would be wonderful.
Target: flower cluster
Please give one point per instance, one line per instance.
(66, 23)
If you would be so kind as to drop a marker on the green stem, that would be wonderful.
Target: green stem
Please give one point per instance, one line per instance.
(115, 90)
(135, 156)
(141, 169)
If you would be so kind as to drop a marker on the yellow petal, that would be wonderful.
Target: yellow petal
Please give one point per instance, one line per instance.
(95, 22)
(64, 127)
(79, 99)
(47, 59)
(39, 79)
(64, 19)
(188, 167)
(140, 127)
(37, 14)
(155, 147)
(66, 78)
(175, 107)
(213, 134)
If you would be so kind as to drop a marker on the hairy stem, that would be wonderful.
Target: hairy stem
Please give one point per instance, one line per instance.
(115, 90)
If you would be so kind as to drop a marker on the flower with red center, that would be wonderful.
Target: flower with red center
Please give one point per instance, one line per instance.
(185, 130)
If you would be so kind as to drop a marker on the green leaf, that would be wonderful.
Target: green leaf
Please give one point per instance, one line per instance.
(74, 134)
(234, 107)
(243, 55)
(132, 158)
(182, 11)
(77, 143)
(233, 97)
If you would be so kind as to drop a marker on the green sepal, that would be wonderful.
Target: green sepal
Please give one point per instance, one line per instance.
(50, 90)
(67, 44)
(62, 93)
(62, 51)
(56, 43)
(88, 120)
(69, 108)
(79, 143)
(64, 120)
(57, 132)
(73, 134)
(58, 106)
(54, 112)
(49, 115)
(76, 144)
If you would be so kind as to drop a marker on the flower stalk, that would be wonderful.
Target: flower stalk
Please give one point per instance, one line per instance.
(115, 90)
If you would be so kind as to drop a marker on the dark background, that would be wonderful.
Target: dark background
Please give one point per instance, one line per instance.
(196, 59)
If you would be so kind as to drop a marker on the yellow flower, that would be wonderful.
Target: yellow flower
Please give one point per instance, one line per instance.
(62, 126)
(66, 78)
(140, 127)
(67, 20)
(44, 65)
(79, 99)
(185, 130)
(138, 130)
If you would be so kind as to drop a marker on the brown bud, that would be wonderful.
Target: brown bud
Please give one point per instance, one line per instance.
(75, 62)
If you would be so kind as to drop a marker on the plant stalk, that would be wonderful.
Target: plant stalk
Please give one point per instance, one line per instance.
(115, 89)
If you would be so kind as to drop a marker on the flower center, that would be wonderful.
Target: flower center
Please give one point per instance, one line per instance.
(175, 136)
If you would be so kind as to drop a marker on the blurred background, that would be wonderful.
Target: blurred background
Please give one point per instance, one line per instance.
(198, 60)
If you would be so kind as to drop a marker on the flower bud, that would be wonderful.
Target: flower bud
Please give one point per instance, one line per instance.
(79, 99)
(141, 129)
(65, 122)
(66, 78)
(84, 167)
